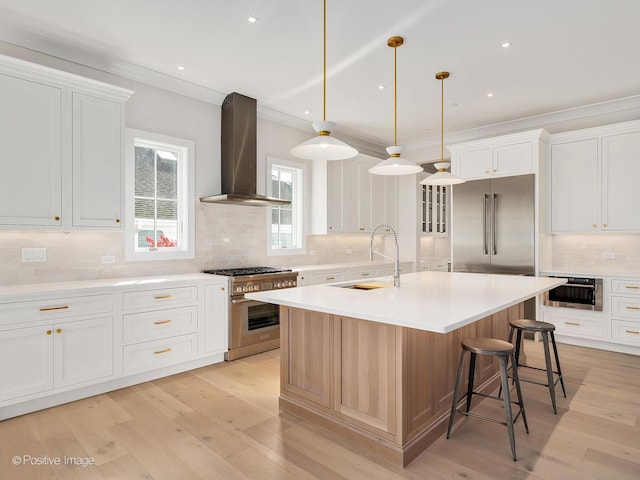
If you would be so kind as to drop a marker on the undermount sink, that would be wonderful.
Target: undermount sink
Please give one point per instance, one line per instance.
(370, 285)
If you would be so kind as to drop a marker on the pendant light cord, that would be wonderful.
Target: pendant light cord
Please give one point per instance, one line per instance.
(442, 119)
(395, 98)
(324, 65)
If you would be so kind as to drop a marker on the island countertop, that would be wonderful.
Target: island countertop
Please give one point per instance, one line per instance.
(433, 301)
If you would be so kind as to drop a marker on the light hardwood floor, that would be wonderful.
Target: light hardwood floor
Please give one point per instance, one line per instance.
(222, 422)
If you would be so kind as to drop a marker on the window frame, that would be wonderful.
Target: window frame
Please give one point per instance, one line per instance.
(299, 202)
(186, 196)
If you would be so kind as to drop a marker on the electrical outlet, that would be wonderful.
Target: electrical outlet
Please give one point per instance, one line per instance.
(608, 255)
(106, 259)
(349, 251)
(30, 255)
(312, 252)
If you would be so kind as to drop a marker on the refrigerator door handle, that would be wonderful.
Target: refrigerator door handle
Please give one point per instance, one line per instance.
(493, 223)
(485, 244)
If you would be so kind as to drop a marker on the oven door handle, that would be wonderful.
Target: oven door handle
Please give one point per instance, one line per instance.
(579, 285)
(234, 301)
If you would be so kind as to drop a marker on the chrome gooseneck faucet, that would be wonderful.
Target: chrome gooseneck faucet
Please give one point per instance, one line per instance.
(396, 275)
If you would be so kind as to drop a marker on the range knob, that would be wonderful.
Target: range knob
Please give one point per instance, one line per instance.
(238, 289)
(276, 284)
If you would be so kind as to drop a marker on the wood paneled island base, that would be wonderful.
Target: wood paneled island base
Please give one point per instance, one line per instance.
(385, 388)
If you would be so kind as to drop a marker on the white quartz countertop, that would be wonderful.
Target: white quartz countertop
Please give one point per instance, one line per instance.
(9, 292)
(434, 301)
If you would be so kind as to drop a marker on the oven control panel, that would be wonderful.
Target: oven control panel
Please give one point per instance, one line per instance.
(257, 286)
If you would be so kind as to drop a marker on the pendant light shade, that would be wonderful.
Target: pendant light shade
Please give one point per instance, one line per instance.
(323, 146)
(442, 177)
(395, 164)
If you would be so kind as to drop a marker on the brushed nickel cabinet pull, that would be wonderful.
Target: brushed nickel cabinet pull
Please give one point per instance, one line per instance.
(633, 308)
(162, 322)
(366, 274)
(49, 332)
(56, 218)
(162, 351)
(162, 297)
(117, 220)
(572, 323)
(58, 330)
(330, 278)
(633, 286)
(47, 309)
(633, 331)
(222, 289)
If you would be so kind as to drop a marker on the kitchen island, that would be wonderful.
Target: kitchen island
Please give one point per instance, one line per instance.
(376, 365)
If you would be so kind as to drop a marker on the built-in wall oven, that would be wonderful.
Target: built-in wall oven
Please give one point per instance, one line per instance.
(579, 292)
(254, 326)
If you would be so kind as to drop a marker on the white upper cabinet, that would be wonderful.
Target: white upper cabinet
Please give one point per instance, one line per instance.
(593, 177)
(620, 182)
(504, 156)
(62, 138)
(348, 199)
(31, 139)
(575, 186)
(97, 153)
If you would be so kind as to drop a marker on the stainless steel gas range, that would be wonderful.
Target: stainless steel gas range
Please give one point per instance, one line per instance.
(254, 327)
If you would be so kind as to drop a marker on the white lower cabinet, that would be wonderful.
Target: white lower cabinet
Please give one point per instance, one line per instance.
(584, 325)
(54, 356)
(57, 347)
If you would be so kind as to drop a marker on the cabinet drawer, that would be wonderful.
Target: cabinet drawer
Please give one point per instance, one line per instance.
(326, 277)
(159, 353)
(361, 274)
(625, 307)
(625, 332)
(165, 297)
(577, 326)
(626, 287)
(141, 327)
(50, 308)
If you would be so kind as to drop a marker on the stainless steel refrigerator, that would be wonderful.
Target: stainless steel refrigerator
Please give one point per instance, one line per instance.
(492, 227)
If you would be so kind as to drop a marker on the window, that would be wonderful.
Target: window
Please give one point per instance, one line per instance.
(285, 228)
(160, 197)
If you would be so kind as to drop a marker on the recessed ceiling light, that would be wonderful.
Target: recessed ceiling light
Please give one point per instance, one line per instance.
(180, 67)
(381, 87)
(252, 19)
(506, 44)
(489, 94)
(307, 112)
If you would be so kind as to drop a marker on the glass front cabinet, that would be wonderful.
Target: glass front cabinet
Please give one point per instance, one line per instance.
(434, 210)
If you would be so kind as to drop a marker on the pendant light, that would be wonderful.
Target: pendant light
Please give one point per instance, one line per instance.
(323, 146)
(395, 164)
(442, 177)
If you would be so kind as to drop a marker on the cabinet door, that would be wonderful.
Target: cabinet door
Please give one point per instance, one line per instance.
(97, 154)
(364, 199)
(216, 304)
(575, 186)
(384, 201)
(350, 196)
(511, 160)
(83, 351)
(31, 139)
(620, 189)
(473, 164)
(25, 356)
(334, 197)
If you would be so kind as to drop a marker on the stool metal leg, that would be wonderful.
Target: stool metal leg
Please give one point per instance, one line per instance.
(472, 373)
(507, 403)
(555, 352)
(547, 359)
(520, 399)
(456, 392)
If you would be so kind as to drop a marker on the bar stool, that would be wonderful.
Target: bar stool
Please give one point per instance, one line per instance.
(546, 330)
(503, 350)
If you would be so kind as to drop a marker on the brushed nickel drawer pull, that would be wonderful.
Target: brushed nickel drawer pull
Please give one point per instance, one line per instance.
(162, 322)
(47, 309)
(162, 297)
(633, 286)
(366, 274)
(330, 278)
(632, 331)
(633, 308)
(166, 350)
(572, 323)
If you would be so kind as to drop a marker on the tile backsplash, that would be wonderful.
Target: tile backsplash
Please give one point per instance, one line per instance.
(226, 236)
(588, 251)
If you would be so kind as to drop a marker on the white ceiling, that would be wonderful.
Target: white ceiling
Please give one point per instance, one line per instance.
(564, 54)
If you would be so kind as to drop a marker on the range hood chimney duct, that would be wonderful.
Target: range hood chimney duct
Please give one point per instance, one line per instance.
(239, 155)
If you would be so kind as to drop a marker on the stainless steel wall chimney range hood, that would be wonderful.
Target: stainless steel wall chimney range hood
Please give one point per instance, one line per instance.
(239, 155)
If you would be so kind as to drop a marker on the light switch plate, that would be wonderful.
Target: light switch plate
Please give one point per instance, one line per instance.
(608, 255)
(108, 259)
(34, 255)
